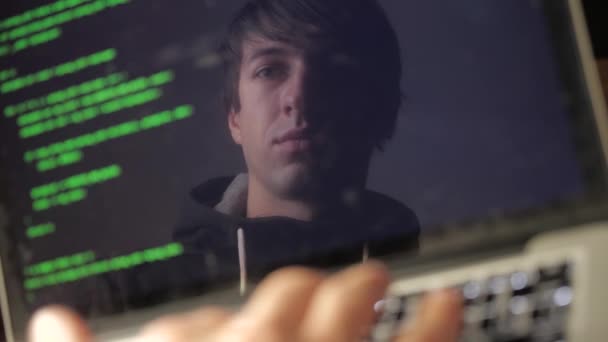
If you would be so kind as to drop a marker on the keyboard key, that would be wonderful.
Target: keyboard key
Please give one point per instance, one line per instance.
(519, 305)
(498, 285)
(472, 291)
(562, 296)
(519, 280)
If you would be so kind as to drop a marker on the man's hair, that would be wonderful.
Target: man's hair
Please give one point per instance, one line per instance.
(358, 28)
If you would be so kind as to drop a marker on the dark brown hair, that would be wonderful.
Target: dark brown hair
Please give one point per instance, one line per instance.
(359, 28)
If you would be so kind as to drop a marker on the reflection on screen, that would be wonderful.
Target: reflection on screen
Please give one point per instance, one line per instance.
(113, 128)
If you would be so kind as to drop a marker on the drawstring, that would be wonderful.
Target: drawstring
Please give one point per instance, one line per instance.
(240, 236)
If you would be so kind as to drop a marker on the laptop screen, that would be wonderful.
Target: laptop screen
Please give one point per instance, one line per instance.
(151, 149)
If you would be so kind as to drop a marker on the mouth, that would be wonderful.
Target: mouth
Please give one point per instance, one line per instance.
(294, 141)
(293, 135)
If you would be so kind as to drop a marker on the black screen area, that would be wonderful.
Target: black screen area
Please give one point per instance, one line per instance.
(116, 147)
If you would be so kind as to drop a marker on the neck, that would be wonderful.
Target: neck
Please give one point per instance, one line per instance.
(262, 203)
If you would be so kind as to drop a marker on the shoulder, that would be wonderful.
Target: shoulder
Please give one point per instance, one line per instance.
(210, 192)
(197, 215)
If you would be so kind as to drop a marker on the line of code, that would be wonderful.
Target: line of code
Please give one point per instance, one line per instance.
(71, 116)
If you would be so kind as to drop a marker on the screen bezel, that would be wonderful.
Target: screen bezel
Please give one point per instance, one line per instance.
(577, 70)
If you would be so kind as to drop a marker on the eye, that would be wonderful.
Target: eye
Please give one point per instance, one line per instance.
(269, 72)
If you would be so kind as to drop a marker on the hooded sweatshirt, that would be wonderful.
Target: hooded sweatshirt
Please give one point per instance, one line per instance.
(214, 226)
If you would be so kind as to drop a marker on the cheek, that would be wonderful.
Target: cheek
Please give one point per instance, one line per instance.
(259, 110)
(254, 132)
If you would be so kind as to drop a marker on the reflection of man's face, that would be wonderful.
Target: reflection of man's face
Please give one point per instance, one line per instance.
(287, 124)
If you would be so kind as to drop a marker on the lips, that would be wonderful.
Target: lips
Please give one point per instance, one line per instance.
(294, 142)
(296, 134)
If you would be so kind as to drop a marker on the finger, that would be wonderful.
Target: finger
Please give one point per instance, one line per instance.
(196, 325)
(342, 307)
(276, 308)
(56, 323)
(439, 319)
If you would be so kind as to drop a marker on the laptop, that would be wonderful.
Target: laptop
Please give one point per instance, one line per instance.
(463, 144)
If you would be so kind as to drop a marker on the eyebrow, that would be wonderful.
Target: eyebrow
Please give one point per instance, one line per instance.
(269, 51)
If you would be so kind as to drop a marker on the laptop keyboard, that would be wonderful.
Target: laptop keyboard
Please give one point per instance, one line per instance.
(519, 306)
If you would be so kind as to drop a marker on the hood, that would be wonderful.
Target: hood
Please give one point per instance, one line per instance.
(213, 225)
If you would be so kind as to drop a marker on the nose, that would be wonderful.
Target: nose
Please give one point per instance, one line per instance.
(295, 95)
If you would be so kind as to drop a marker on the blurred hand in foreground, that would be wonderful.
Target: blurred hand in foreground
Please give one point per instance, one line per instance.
(291, 304)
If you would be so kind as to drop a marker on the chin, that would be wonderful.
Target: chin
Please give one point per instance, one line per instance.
(294, 180)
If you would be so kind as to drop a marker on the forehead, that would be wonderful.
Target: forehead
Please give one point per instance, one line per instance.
(258, 46)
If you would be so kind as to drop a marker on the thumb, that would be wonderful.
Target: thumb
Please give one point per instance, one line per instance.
(57, 323)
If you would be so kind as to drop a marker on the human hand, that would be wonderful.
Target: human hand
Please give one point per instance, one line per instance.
(291, 304)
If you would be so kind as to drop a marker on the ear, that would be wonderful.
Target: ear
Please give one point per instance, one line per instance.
(234, 123)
